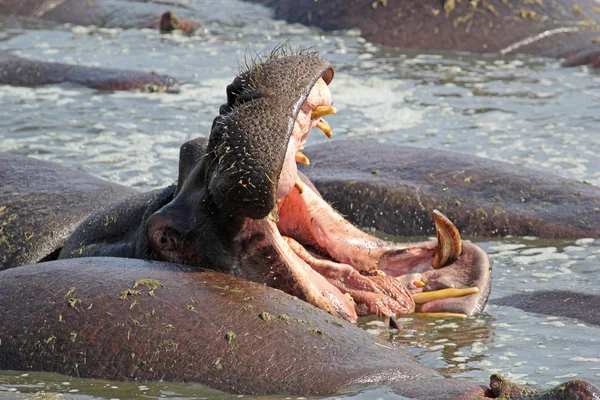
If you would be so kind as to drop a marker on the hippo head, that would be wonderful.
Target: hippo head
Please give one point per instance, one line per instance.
(245, 209)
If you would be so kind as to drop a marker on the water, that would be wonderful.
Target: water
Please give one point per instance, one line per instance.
(523, 110)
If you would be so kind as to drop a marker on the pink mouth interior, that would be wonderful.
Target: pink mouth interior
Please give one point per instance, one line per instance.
(340, 271)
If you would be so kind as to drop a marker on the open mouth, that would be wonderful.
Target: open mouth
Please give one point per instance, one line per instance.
(342, 269)
(245, 209)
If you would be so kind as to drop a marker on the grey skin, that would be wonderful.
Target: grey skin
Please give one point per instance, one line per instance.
(41, 204)
(559, 28)
(194, 326)
(395, 188)
(18, 71)
(105, 13)
(563, 303)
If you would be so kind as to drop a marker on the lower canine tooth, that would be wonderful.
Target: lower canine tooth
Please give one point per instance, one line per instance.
(302, 159)
(299, 185)
(320, 111)
(449, 245)
(324, 126)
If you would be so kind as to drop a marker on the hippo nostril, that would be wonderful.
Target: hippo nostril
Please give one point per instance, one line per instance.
(165, 239)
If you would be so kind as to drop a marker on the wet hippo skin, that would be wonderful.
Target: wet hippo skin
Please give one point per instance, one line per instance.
(560, 28)
(100, 315)
(122, 319)
(559, 303)
(395, 188)
(106, 13)
(41, 204)
(19, 71)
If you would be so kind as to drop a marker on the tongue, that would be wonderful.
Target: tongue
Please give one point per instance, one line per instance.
(305, 283)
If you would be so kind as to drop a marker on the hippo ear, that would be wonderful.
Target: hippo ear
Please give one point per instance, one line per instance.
(191, 154)
(249, 140)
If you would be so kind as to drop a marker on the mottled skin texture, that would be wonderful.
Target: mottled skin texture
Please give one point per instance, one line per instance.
(19, 71)
(560, 303)
(121, 319)
(490, 26)
(251, 340)
(106, 13)
(394, 189)
(41, 204)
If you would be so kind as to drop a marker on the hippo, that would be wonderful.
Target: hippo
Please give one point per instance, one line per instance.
(18, 71)
(558, 28)
(124, 319)
(394, 189)
(126, 298)
(564, 303)
(105, 13)
(232, 209)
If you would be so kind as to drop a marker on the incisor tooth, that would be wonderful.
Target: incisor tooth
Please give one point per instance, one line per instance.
(442, 294)
(449, 245)
(324, 126)
(441, 315)
(301, 158)
(321, 111)
(299, 185)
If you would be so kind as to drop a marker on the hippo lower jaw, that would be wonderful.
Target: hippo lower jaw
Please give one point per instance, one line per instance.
(347, 270)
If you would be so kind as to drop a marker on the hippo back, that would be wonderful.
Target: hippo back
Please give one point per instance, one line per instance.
(41, 204)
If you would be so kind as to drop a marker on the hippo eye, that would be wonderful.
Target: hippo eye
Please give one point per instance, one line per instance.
(163, 239)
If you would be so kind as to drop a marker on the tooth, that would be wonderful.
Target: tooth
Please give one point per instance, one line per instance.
(419, 283)
(449, 245)
(324, 126)
(301, 158)
(441, 315)
(442, 294)
(321, 111)
(299, 185)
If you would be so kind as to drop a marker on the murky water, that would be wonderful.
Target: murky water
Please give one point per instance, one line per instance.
(526, 111)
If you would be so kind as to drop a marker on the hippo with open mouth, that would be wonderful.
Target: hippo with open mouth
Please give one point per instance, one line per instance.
(242, 207)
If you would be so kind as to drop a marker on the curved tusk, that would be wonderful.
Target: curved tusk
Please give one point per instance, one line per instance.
(441, 315)
(449, 245)
(324, 126)
(442, 294)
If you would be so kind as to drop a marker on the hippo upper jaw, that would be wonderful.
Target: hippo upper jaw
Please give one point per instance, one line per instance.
(246, 210)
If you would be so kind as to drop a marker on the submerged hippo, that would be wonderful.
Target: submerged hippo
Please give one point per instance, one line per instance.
(563, 303)
(18, 71)
(106, 13)
(558, 28)
(122, 319)
(241, 207)
(394, 189)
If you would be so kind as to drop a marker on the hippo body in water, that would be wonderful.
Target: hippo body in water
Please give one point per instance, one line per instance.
(558, 28)
(105, 13)
(237, 194)
(17, 71)
(394, 189)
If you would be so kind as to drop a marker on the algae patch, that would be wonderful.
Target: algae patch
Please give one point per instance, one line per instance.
(151, 284)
